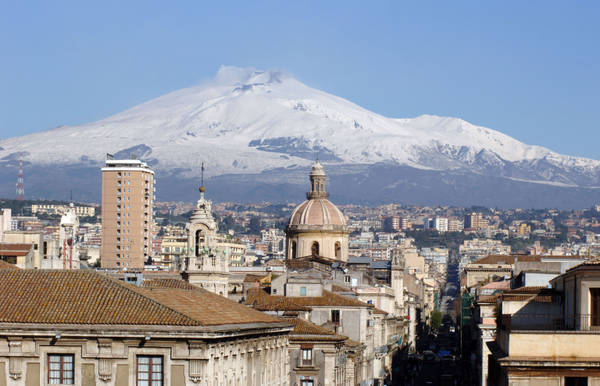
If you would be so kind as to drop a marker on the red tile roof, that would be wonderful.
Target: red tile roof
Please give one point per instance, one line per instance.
(169, 283)
(379, 311)
(88, 297)
(5, 265)
(304, 330)
(329, 299)
(15, 249)
(262, 301)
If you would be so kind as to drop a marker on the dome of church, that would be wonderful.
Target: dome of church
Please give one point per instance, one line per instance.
(318, 211)
(317, 227)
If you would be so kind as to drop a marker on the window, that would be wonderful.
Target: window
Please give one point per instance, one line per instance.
(302, 291)
(314, 249)
(305, 382)
(576, 381)
(307, 357)
(294, 250)
(60, 369)
(149, 370)
(335, 317)
(595, 295)
(347, 279)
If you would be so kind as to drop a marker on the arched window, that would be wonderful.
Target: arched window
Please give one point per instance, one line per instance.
(199, 241)
(314, 249)
(294, 250)
(338, 250)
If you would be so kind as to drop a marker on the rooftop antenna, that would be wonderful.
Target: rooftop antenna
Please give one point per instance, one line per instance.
(71, 196)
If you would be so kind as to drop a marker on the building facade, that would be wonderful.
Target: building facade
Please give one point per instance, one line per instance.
(127, 214)
(168, 333)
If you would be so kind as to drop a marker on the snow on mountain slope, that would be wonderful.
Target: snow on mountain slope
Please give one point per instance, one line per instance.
(247, 121)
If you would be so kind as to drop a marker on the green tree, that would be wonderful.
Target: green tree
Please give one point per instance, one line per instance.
(436, 320)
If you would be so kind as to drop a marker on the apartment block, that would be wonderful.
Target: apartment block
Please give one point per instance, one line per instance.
(127, 213)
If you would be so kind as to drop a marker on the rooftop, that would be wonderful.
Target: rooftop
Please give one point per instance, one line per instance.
(14, 249)
(91, 298)
(304, 330)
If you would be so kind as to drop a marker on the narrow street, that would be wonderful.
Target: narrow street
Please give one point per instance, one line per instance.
(437, 359)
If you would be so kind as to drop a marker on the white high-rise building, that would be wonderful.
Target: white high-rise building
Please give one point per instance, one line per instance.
(440, 224)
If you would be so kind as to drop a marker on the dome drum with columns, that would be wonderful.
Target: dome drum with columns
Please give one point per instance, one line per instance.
(317, 227)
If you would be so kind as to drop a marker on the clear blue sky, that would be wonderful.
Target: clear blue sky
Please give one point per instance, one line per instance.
(530, 69)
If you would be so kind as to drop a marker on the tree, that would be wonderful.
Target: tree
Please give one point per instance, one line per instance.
(436, 320)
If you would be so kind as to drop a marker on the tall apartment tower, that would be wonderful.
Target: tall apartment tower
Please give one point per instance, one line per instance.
(127, 206)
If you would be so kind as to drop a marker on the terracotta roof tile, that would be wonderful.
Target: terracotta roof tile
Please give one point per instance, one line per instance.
(169, 283)
(15, 249)
(252, 278)
(5, 265)
(262, 301)
(88, 297)
(339, 288)
(594, 261)
(329, 299)
(303, 329)
(379, 311)
(506, 259)
(487, 298)
(207, 308)
(352, 343)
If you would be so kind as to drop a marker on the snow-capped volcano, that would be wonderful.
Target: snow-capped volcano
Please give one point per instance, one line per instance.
(247, 121)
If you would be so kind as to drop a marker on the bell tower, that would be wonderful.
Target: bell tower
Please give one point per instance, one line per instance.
(205, 265)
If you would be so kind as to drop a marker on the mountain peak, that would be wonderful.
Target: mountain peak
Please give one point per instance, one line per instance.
(250, 121)
(241, 76)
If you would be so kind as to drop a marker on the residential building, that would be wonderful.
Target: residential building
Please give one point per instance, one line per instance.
(475, 221)
(127, 214)
(80, 211)
(550, 336)
(173, 250)
(440, 224)
(19, 255)
(35, 239)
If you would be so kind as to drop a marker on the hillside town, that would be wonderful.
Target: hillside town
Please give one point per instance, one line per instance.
(292, 294)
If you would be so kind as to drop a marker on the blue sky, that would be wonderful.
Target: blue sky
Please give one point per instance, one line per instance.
(527, 68)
